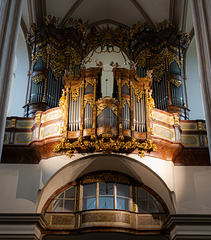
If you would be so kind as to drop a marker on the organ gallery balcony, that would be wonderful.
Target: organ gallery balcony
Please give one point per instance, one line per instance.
(125, 122)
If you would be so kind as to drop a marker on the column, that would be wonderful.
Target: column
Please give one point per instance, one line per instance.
(10, 16)
(202, 26)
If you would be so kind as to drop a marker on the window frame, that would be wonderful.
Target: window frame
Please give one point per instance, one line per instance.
(114, 195)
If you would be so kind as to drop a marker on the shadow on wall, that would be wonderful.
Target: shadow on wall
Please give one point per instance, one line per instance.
(119, 163)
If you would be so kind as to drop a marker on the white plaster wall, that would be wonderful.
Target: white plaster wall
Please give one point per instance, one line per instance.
(106, 58)
(187, 190)
(193, 189)
(155, 173)
(193, 84)
(19, 185)
(19, 85)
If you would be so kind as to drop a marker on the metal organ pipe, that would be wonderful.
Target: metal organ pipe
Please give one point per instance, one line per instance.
(139, 114)
(79, 107)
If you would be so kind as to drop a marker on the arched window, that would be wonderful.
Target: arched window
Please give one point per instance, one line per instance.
(64, 202)
(147, 203)
(106, 195)
(110, 192)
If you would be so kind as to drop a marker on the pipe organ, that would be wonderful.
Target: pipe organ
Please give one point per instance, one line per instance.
(117, 123)
(106, 124)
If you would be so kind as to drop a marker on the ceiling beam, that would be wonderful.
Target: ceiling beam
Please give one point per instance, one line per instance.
(144, 14)
(184, 15)
(40, 12)
(70, 12)
(37, 12)
(104, 21)
(192, 34)
(24, 28)
(31, 11)
(175, 12)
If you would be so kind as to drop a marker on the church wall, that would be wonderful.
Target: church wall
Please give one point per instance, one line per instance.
(192, 189)
(19, 187)
(193, 84)
(185, 189)
(19, 85)
(154, 173)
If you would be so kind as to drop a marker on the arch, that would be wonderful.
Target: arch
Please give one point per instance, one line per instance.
(96, 162)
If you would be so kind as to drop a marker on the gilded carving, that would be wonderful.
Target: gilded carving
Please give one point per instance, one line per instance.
(89, 100)
(106, 177)
(62, 103)
(176, 82)
(200, 126)
(75, 92)
(123, 82)
(90, 81)
(103, 105)
(139, 93)
(38, 78)
(124, 101)
(13, 123)
(105, 145)
(151, 102)
(176, 119)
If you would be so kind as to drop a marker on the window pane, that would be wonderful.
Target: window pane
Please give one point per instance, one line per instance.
(58, 206)
(143, 206)
(123, 190)
(155, 207)
(151, 198)
(142, 194)
(106, 202)
(61, 195)
(69, 206)
(122, 203)
(106, 188)
(89, 203)
(70, 193)
(89, 189)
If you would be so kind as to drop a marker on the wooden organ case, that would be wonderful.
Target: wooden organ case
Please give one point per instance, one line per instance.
(96, 124)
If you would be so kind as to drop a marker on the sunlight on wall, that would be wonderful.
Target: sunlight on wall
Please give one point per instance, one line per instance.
(193, 84)
(19, 86)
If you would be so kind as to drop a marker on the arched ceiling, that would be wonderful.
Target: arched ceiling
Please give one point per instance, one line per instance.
(123, 12)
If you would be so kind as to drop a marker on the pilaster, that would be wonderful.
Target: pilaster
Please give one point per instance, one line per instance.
(10, 16)
(202, 27)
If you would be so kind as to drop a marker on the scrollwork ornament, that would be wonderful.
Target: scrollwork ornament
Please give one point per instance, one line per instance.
(38, 78)
(62, 103)
(102, 106)
(176, 82)
(90, 81)
(75, 92)
(123, 82)
(151, 102)
(89, 100)
(124, 101)
(106, 145)
(139, 93)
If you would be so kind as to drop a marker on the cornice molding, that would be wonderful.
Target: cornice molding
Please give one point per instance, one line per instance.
(23, 219)
(174, 220)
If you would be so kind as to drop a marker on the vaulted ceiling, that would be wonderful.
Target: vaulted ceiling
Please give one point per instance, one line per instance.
(114, 12)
